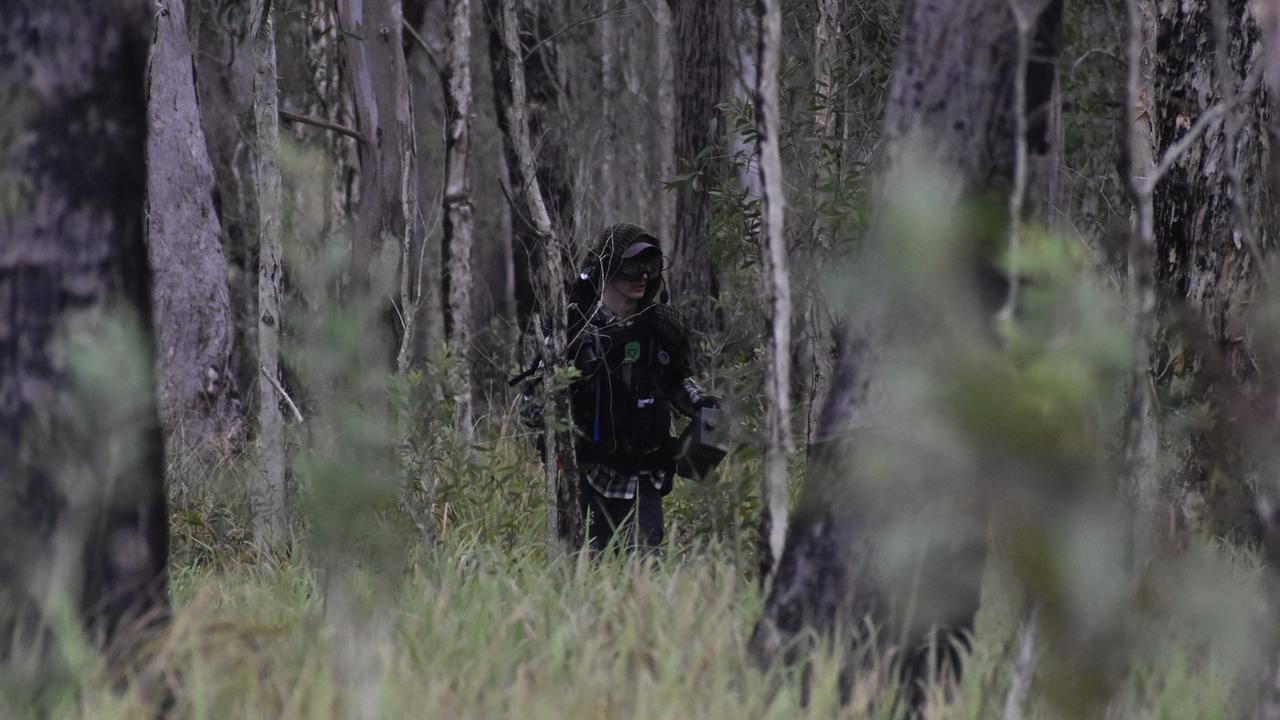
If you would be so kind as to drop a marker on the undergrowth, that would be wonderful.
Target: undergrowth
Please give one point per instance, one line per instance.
(482, 625)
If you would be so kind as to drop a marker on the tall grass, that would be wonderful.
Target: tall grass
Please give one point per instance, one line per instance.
(479, 631)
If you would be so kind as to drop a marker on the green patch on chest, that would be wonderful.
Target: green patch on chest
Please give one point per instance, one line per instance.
(631, 351)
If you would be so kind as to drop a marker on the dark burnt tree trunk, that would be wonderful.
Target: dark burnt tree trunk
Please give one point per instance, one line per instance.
(199, 406)
(699, 86)
(952, 104)
(82, 501)
(546, 95)
(1213, 221)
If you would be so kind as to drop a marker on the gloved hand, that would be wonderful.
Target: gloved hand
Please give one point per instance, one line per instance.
(691, 397)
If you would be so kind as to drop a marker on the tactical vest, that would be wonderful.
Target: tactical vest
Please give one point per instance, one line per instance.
(622, 415)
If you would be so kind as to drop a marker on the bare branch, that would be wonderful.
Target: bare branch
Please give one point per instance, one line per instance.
(426, 47)
(307, 120)
(1206, 118)
(297, 414)
(571, 26)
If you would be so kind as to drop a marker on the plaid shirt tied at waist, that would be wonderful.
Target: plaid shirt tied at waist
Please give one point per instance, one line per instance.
(618, 484)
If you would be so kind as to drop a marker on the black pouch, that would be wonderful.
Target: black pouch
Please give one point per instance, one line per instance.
(703, 444)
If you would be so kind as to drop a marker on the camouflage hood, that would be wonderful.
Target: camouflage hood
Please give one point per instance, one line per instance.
(606, 256)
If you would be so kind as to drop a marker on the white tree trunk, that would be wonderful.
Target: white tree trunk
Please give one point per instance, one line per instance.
(458, 207)
(609, 97)
(1140, 434)
(191, 297)
(269, 511)
(559, 463)
(666, 148)
(777, 289)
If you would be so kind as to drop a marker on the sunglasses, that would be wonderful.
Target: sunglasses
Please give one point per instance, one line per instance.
(636, 268)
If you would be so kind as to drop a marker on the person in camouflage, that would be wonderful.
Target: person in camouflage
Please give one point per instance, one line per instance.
(633, 353)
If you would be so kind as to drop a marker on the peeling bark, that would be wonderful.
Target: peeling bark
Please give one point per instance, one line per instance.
(199, 405)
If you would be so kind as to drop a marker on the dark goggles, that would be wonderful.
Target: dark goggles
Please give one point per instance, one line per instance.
(637, 268)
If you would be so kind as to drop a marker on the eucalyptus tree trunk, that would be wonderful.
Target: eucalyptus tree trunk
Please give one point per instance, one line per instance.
(818, 331)
(744, 37)
(224, 86)
(776, 283)
(1213, 217)
(83, 523)
(564, 521)
(699, 84)
(199, 407)
(826, 33)
(545, 95)
(608, 100)
(270, 513)
(951, 106)
(386, 228)
(550, 100)
(457, 205)
(1140, 433)
(327, 102)
(426, 63)
(664, 142)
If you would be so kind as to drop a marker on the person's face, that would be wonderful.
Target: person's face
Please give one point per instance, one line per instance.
(633, 277)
